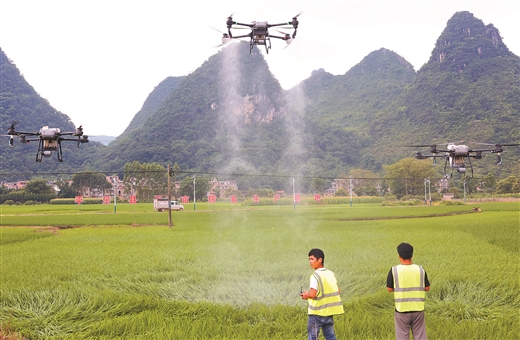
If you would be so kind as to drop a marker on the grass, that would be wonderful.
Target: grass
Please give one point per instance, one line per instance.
(236, 274)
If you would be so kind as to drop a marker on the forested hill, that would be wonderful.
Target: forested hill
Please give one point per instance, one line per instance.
(231, 115)
(469, 90)
(20, 104)
(155, 99)
(339, 108)
(211, 118)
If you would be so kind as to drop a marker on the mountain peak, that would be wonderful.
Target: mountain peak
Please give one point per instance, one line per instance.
(465, 40)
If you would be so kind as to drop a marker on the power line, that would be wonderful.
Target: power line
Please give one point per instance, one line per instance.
(217, 174)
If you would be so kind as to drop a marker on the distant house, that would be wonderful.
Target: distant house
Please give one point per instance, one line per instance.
(336, 184)
(220, 187)
(442, 184)
(119, 187)
(15, 185)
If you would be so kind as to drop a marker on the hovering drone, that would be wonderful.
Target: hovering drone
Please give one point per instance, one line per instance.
(259, 34)
(455, 156)
(49, 140)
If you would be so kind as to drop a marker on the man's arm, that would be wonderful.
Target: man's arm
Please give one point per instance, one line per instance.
(390, 281)
(311, 294)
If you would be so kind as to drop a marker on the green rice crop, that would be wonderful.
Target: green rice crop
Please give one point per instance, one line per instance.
(237, 273)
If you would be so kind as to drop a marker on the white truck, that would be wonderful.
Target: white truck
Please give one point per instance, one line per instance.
(161, 204)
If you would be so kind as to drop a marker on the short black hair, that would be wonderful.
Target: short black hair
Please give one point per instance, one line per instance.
(405, 251)
(318, 253)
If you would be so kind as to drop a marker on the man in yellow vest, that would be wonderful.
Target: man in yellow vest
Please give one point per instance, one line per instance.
(323, 297)
(409, 283)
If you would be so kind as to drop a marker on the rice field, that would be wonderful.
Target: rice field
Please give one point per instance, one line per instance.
(236, 273)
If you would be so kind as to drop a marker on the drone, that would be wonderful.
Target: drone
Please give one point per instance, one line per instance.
(259, 34)
(49, 140)
(455, 156)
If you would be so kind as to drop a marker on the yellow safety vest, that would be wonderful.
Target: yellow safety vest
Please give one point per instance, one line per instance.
(409, 290)
(327, 301)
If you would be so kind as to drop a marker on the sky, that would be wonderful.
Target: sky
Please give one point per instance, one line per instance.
(98, 60)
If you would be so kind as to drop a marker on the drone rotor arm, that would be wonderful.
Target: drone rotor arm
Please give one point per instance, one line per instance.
(277, 37)
(21, 133)
(242, 36)
(241, 24)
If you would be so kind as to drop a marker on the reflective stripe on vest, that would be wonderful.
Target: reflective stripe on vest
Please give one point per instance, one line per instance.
(409, 290)
(327, 301)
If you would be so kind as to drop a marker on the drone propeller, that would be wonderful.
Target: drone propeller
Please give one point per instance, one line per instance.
(433, 147)
(419, 155)
(11, 130)
(286, 37)
(79, 131)
(229, 21)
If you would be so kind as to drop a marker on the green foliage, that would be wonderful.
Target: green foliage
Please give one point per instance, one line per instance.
(38, 186)
(407, 176)
(318, 185)
(73, 201)
(21, 196)
(30, 202)
(88, 181)
(66, 190)
(146, 180)
(341, 192)
(508, 185)
(202, 186)
(451, 202)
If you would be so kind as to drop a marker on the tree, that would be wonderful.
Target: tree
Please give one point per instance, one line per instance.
(488, 183)
(341, 192)
(66, 190)
(230, 192)
(88, 181)
(202, 186)
(145, 179)
(509, 185)
(318, 185)
(365, 182)
(406, 177)
(38, 186)
(262, 192)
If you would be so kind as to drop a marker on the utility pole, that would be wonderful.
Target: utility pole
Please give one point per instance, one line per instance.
(350, 190)
(464, 190)
(293, 193)
(194, 200)
(169, 201)
(115, 191)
